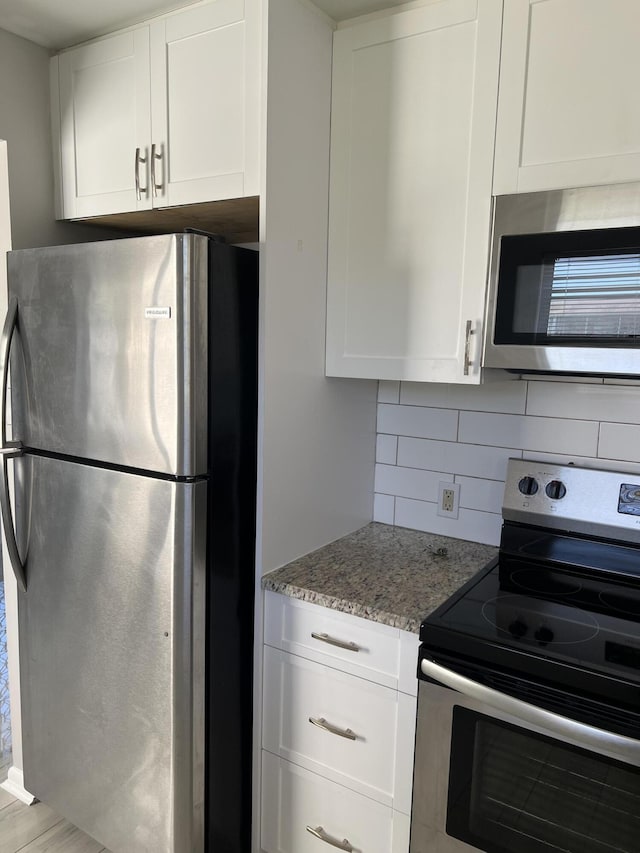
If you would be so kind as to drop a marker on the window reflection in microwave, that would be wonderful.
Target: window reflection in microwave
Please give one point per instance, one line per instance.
(581, 295)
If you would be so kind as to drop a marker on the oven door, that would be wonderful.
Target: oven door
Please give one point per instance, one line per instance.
(496, 774)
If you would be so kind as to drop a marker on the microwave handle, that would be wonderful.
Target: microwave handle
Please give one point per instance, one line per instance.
(587, 736)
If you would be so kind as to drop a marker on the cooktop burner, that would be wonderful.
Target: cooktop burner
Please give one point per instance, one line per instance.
(546, 583)
(625, 602)
(524, 619)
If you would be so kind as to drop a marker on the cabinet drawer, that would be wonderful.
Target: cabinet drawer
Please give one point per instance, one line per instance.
(294, 799)
(297, 691)
(320, 634)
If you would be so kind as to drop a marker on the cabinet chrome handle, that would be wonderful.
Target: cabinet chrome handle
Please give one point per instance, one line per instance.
(321, 723)
(139, 189)
(319, 832)
(467, 346)
(341, 644)
(154, 156)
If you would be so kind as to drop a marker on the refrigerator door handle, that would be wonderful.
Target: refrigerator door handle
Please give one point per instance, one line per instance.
(10, 323)
(7, 522)
(9, 449)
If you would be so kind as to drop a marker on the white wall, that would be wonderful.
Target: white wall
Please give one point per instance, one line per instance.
(428, 433)
(25, 125)
(318, 434)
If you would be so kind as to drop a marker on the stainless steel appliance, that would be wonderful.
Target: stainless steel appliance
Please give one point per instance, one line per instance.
(133, 374)
(528, 731)
(564, 282)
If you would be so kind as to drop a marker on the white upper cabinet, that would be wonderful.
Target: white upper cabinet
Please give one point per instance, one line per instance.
(567, 113)
(184, 90)
(412, 141)
(104, 117)
(205, 103)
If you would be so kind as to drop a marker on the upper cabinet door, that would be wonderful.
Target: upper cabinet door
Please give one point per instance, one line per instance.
(205, 103)
(104, 117)
(184, 90)
(413, 122)
(567, 113)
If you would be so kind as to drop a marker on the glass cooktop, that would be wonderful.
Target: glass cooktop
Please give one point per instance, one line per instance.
(549, 607)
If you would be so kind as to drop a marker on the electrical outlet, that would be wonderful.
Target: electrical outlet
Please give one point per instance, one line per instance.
(448, 499)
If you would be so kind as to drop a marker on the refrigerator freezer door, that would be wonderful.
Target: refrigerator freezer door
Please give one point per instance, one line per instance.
(109, 362)
(111, 651)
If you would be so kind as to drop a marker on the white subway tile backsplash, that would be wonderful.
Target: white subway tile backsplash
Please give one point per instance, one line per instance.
(485, 495)
(552, 435)
(620, 441)
(433, 432)
(388, 391)
(450, 457)
(383, 508)
(387, 449)
(588, 402)
(472, 525)
(507, 396)
(418, 421)
(407, 482)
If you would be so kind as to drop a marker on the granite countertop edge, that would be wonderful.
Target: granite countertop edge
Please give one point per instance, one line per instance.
(391, 575)
(394, 620)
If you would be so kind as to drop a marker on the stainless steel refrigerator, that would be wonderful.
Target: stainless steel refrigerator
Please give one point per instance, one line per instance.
(133, 448)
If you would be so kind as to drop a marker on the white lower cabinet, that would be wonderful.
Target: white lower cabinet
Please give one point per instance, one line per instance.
(337, 746)
(331, 723)
(339, 640)
(304, 813)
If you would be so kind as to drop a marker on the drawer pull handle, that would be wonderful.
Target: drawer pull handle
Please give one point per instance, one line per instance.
(341, 644)
(319, 832)
(321, 723)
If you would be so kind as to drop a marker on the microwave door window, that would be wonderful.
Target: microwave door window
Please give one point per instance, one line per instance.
(533, 288)
(597, 295)
(556, 289)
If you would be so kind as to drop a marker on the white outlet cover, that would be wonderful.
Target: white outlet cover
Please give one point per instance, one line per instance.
(455, 488)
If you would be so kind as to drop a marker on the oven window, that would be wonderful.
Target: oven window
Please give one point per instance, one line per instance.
(570, 288)
(514, 790)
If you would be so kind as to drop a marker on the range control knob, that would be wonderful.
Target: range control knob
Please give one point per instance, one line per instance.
(543, 634)
(556, 489)
(528, 485)
(518, 628)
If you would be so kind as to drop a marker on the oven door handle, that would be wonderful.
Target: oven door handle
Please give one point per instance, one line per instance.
(590, 737)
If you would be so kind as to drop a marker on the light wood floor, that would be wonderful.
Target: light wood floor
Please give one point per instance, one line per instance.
(36, 829)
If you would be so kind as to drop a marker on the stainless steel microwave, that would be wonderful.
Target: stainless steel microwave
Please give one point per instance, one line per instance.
(564, 282)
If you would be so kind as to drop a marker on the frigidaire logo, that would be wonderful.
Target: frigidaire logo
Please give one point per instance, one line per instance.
(157, 313)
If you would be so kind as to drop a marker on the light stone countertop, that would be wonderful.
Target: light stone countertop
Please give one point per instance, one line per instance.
(383, 573)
